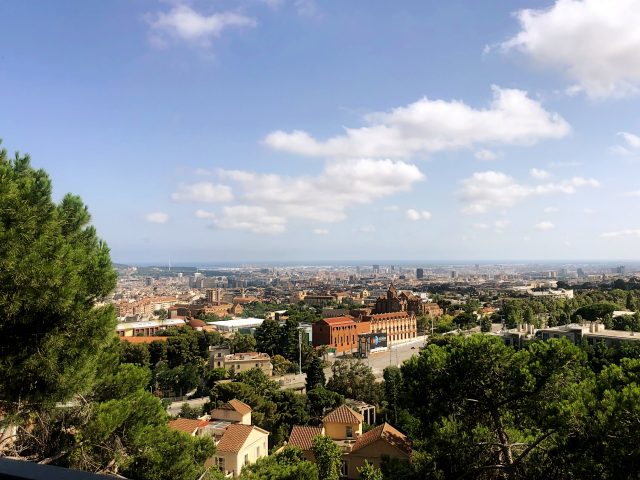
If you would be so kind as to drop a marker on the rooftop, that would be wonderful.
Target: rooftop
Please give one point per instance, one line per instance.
(343, 414)
(302, 436)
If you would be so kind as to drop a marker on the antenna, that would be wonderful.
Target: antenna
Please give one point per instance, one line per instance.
(169, 262)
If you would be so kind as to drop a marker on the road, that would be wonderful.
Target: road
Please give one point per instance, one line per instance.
(395, 356)
(174, 408)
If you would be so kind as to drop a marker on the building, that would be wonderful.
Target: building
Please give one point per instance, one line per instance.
(237, 325)
(398, 325)
(217, 354)
(344, 426)
(319, 300)
(238, 442)
(394, 302)
(420, 273)
(340, 334)
(147, 329)
(242, 362)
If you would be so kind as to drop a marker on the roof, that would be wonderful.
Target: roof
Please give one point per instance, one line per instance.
(302, 436)
(384, 316)
(345, 320)
(383, 432)
(238, 322)
(343, 414)
(187, 425)
(143, 339)
(169, 322)
(235, 436)
(196, 323)
(237, 406)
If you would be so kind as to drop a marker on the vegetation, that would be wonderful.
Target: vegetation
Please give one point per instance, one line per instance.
(64, 387)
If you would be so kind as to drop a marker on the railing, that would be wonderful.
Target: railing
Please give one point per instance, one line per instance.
(20, 470)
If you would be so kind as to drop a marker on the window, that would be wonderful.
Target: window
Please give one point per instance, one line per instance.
(219, 461)
(349, 431)
(344, 469)
(257, 452)
(246, 459)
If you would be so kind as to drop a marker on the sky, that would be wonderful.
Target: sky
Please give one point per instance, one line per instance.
(267, 130)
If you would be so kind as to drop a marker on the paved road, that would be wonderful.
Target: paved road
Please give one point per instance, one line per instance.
(395, 356)
(174, 408)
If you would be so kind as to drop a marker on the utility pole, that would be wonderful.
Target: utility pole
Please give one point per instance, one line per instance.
(299, 351)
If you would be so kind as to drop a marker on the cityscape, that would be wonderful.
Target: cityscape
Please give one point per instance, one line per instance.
(319, 240)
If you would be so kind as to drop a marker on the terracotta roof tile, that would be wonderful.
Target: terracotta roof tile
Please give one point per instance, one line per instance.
(338, 320)
(143, 339)
(302, 436)
(240, 407)
(343, 414)
(387, 433)
(187, 425)
(234, 437)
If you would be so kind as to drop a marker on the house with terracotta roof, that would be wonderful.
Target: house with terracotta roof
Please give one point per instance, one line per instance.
(238, 442)
(339, 333)
(344, 426)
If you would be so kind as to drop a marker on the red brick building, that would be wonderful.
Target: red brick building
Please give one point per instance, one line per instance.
(340, 333)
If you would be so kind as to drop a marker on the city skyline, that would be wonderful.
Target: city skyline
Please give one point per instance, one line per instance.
(276, 130)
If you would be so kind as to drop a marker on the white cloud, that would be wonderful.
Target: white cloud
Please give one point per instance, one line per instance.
(326, 197)
(596, 43)
(202, 192)
(539, 174)
(365, 229)
(631, 147)
(570, 163)
(635, 193)
(589, 211)
(250, 218)
(429, 126)
(157, 217)
(480, 226)
(484, 154)
(320, 231)
(203, 172)
(307, 8)
(182, 23)
(551, 210)
(487, 190)
(204, 214)
(629, 232)
(501, 225)
(545, 226)
(415, 215)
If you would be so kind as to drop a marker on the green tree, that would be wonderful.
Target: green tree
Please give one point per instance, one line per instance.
(268, 337)
(187, 411)
(328, 457)
(136, 353)
(322, 401)
(53, 270)
(354, 379)
(315, 374)
(287, 464)
(485, 324)
(241, 343)
(369, 472)
(392, 390)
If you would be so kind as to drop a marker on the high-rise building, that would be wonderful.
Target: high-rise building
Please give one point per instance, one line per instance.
(420, 273)
(376, 269)
(581, 273)
(454, 274)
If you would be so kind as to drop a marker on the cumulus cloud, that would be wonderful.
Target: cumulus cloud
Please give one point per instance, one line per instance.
(539, 174)
(415, 215)
(631, 145)
(183, 23)
(326, 197)
(250, 218)
(484, 154)
(204, 214)
(545, 225)
(595, 43)
(429, 126)
(626, 233)
(484, 191)
(157, 217)
(202, 192)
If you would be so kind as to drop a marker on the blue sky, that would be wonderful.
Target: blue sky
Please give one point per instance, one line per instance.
(293, 129)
